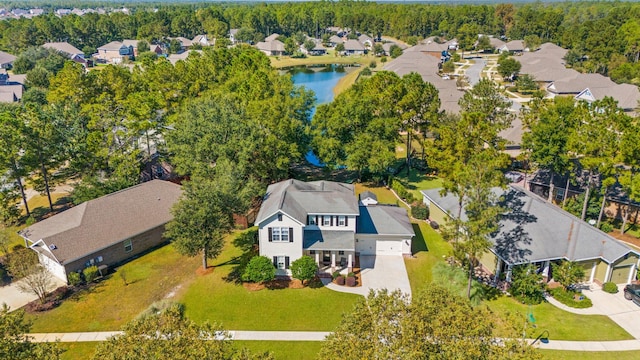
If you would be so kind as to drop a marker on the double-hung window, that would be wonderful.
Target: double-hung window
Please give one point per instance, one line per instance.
(342, 221)
(280, 234)
(128, 246)
(326, 220)
(312, 220)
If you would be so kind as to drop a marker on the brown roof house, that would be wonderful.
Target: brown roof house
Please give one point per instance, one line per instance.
(105, 231)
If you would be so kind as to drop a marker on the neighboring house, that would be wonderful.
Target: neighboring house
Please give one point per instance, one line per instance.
(366, 41)
(6, 60)
(67, 50)
(534, 231)
(335, 40)
(232, 35)
(203, 40)
(354, 47)
(513, 46)
(496, 43)
(10, 91)
(414, 59)
(272, 37)
(174, 58)
(105, 231)
(271, 48)
(387, 47)
(185, 43)
(115, 52)
(322, 219)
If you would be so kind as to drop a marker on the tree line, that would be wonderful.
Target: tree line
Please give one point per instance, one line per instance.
(603, 36)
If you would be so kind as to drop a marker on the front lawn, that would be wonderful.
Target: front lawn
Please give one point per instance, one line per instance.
(562, 325)
(214, 299)
(283, 350)
(110, 304)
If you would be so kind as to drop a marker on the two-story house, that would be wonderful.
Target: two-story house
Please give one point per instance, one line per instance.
(324, 220)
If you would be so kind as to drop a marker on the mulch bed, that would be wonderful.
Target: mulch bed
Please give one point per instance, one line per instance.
(625, 237)
(201, 272)
(275, 285)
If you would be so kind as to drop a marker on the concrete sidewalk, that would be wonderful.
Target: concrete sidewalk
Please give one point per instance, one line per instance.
(623, 345)
(235, 335)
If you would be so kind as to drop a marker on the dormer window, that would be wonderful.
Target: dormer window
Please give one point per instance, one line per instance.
(326, 220)
(342, 220)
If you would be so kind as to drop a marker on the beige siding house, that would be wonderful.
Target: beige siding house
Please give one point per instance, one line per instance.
(105, 231)
(534, 231)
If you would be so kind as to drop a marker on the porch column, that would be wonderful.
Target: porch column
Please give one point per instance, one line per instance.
(498, 270)
(333, 261)
(631, 273)
(546, 270)
(349, 264)
(318, 259)
(607, 274)
(593, 271)
(508, 277)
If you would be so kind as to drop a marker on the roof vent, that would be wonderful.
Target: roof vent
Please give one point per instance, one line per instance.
(52, 247)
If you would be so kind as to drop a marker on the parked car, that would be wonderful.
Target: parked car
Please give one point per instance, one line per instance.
(632, 292)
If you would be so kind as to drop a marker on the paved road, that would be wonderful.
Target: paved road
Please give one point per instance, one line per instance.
(475, 70)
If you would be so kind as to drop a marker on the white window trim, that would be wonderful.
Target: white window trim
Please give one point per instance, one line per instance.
(128, 244)
(279, 234)
(342, 220)
(280, 261)
(312, 220)
(326, 220)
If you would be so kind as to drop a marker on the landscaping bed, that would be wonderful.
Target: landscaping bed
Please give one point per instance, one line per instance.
(572, 299)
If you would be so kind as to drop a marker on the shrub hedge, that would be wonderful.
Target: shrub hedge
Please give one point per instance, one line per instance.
(90, 273)
(74, 278)
(610, 287)
(568, 298)
(420, 211)
(402, 192)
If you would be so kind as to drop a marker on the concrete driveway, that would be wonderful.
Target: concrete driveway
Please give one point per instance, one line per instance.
(622, 311)
(15, 299)
(384, 272)
(474, 71)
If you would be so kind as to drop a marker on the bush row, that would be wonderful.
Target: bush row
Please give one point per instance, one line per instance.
(420, 211)
(569, 298)
(401, 190)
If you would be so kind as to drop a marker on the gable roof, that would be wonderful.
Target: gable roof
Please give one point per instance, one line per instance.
(535, 230)
(353, 45)
(368, 195)
(272, 37)
(298, 199)
(336, 39)
(63, 47)
(112, 46)
(384, 220)
(271, 46)
(6, 58)
(514, 45)
(105, 221)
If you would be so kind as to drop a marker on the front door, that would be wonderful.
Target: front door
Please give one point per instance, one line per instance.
(326, 257)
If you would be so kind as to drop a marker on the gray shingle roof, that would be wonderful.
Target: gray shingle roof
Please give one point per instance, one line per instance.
(298, 199)
(535, 230)
(329, 240)
(102, 222)
(384, 220)
(6, 58)
(368, 194)
(353, 45)
(63, 47)
(275, 45)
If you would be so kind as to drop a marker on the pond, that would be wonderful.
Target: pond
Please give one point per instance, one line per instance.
(321, 80)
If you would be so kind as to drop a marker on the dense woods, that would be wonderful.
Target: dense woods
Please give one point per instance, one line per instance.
(603, 36)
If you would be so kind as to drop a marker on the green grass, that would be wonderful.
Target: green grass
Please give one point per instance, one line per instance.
(385, 196)
(330, 58)
(110, 304)
(428, 250)
(78, 350)
(214, 299)
(563, 325)
(284, 350)
(591, 355)
(14, 238)
(418, 180)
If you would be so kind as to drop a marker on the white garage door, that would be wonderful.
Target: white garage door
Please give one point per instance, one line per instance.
(388, 247)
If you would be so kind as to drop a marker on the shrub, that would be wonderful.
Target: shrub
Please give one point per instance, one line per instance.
(74, 278)
(567, 273)
(569, 298)
(30, 221)
(402, 191)
(351, 274)
(304, 269)
(610, 287)
(606, 227)
(90, 273)
(527, 285)
(420, 211)
(17, 247)
(259, 269)
(373, 64)
(366, 72)
(335, 274)
(351, 281)
(340, 280)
